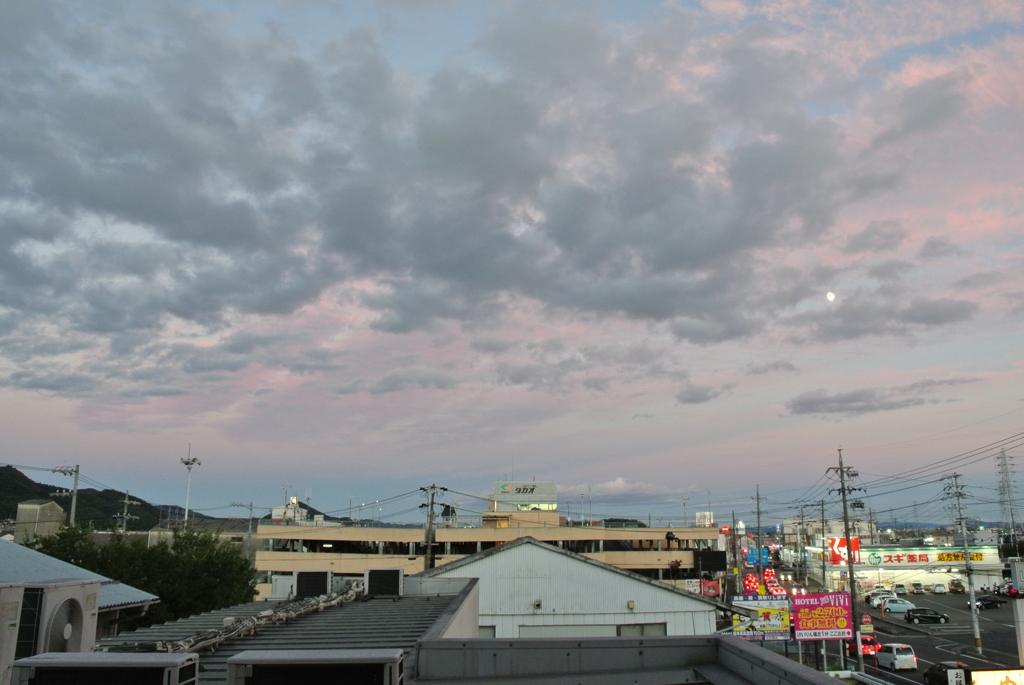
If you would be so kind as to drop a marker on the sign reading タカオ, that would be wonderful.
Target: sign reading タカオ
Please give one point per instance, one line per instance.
(824, 616)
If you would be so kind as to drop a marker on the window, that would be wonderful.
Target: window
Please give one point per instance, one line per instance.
(642, 629)
(486, 631)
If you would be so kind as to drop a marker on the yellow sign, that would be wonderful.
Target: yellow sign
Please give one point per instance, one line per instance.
(959, 556)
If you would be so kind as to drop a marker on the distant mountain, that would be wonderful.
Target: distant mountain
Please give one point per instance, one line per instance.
(96, 508)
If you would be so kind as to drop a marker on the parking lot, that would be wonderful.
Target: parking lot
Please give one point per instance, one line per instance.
(948, 642)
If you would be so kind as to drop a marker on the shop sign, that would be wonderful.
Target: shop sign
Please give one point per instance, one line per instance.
(1002, 676)
(772, 622)
(823, 616)
(838, 552)
(913, 558)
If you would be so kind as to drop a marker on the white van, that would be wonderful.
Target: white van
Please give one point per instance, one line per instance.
(939, 589)
(895, 656)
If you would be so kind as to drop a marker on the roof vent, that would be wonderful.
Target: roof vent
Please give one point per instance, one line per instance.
(384, 582)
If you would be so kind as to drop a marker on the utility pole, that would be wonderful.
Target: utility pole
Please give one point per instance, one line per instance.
(428, 559)
(824, 548)
(125, 516)
(956, 492)
(844, 473)
(248, 540)
(760, 547)
(799, 546)
(70, 471)
(189, 462)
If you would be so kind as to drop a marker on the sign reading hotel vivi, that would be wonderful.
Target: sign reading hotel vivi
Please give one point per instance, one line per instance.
(823, 616)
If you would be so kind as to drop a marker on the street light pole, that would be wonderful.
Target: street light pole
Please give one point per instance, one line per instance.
(189, 463)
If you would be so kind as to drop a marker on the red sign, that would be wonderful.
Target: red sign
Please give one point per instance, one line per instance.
(837, 550)
(710, 588)
(824, 616)
(866, 619)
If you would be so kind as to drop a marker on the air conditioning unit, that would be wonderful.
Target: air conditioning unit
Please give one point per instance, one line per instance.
(107, 668)
(58, 617)
(10, 615)
(312, 583)
(383, 582)
(316, 666)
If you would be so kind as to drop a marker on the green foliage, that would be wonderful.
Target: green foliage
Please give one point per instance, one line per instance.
(193, 573)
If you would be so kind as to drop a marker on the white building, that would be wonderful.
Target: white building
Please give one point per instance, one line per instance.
(532, 589)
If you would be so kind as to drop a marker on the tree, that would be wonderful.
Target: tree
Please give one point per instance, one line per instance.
(194, 573)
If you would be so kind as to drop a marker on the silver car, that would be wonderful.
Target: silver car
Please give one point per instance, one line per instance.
(895, 656)
(895, 605)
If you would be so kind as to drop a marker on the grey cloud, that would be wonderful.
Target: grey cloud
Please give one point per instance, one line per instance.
(870, 400)
(413, 377)
(200, 171)
(699, 394)
(849, 403)
(60, 383)
(929, 385)
(938, 247)
(882, 313)
(925, 106)
(891, 270)
(879, 236)
(491, 344)
(156, 392)
(980, 280)
(549, 375)
(599, 384)
(772, 367)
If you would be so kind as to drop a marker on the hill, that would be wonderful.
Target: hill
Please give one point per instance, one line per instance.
(96, 508)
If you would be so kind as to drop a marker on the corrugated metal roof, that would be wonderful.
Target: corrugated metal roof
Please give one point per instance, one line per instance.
(373, 624)
(20, 564)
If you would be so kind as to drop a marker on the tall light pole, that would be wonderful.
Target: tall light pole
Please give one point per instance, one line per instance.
(189, 463)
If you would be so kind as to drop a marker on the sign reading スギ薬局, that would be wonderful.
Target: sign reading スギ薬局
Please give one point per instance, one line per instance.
(823, 616)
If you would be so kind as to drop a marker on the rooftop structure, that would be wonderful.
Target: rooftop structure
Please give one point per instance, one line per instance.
(532, 589)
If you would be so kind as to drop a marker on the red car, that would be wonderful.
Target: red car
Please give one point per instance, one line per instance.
(868, 646)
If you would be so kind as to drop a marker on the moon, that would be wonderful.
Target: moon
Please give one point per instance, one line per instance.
(831, 296)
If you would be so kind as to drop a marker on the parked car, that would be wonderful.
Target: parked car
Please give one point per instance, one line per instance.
(896, 656)
(938, 674)
(895, 605)
(956, 587)
(939, 589)
(987, 602)
(877, 600)
(921, 615)
(916, 589)
(899, 589)
(868, 646)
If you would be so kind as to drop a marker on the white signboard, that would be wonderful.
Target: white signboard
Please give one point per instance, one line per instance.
(1009, 676)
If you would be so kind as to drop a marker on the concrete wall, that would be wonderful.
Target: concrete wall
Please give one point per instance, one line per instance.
(599, 661)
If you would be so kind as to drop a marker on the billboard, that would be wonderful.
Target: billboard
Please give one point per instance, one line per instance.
(772, 622)
(838, 553)
(822, 616)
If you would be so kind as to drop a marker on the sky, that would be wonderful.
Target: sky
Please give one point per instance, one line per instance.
(345, 250)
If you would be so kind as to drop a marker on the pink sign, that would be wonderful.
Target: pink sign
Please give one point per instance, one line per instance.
(825, 616)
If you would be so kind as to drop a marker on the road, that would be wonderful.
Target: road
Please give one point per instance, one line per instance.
(949, 642)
